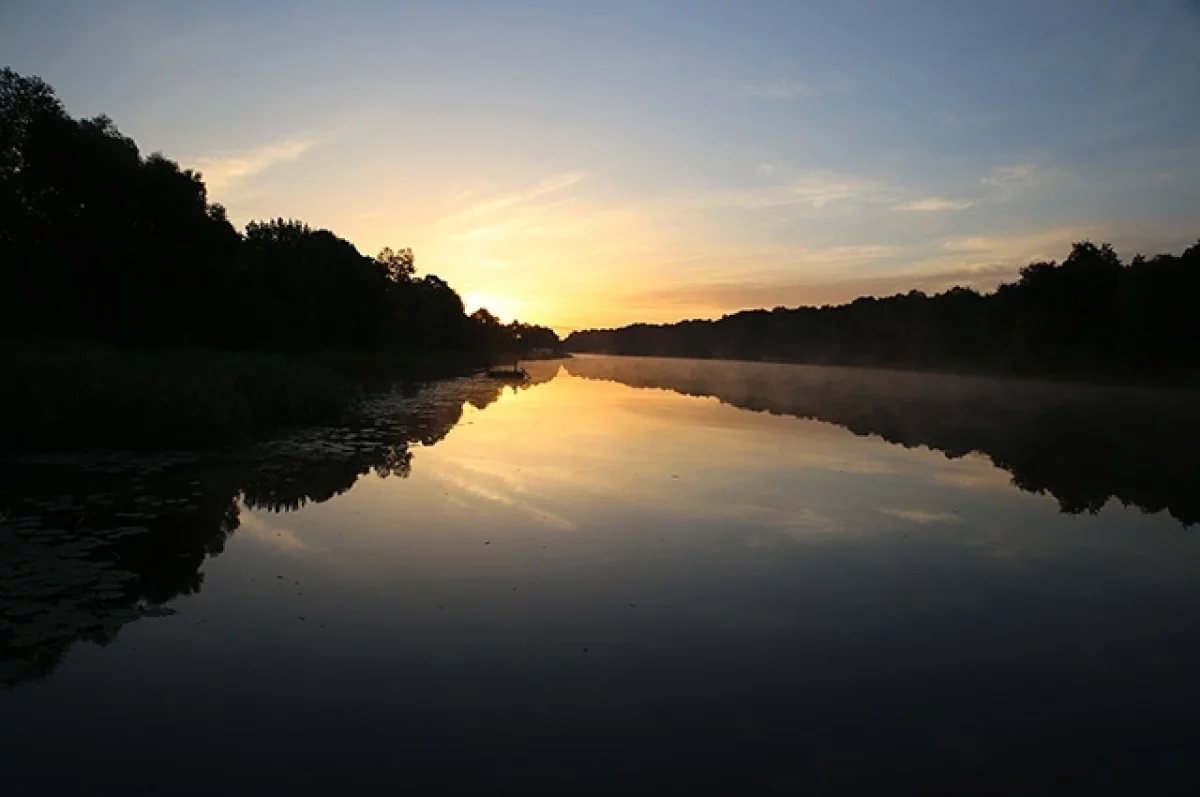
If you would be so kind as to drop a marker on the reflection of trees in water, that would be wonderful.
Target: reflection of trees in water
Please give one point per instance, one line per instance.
(1082, 444)
(316, 465)
(86, 547)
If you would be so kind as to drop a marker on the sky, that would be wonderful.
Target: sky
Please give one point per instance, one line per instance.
(585, 164)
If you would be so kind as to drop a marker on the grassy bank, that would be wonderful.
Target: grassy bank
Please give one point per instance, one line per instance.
(60, 396)
(380, 368)
(76, 396)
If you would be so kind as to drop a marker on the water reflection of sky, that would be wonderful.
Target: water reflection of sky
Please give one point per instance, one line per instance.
(590, 588)
(579, 455)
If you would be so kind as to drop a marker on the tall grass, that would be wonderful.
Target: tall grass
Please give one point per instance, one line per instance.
(72, 396)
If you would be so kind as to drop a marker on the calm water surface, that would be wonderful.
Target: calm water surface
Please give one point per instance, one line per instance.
(628, 576)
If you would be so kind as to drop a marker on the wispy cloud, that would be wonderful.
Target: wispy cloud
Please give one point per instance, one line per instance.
(786, 276)
(934, 204)
(549, 185)
(1023, 248)
(1022, 180)
(715, 298)
(224, 171)
(975, 244)
(813, 189)
(923, 516)
(1011, 176)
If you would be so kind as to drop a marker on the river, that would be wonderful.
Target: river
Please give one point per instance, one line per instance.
(628, 575)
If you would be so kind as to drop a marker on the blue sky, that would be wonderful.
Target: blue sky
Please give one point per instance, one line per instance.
(599, 163)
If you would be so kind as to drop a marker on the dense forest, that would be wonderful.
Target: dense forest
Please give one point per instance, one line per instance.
(1090, 316)
(99, 242)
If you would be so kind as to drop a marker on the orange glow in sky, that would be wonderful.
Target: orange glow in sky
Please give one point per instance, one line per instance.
(583, 165)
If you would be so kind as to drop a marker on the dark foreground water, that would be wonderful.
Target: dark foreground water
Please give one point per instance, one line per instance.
(627, 577)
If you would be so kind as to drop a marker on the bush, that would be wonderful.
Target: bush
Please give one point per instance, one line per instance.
(64, 396)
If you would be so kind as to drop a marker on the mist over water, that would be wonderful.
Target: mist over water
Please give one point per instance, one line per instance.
(626, 575)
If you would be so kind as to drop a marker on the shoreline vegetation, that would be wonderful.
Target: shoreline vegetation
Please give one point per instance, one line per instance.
(1090, 318)
(133, 313)
(1084, 445)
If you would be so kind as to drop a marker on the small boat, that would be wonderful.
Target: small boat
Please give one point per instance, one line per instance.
(514, 374)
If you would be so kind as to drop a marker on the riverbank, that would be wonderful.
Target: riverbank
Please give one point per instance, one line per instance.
(58, 396)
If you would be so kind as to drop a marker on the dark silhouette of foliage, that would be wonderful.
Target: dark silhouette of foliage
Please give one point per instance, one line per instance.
(87, 547)
(1082, 444)
(1089, 317)
(400, 266)
(100, 243)
(69, 396)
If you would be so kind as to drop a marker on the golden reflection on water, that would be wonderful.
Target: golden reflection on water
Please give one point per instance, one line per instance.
(588, 452)
(575, 453)
(595, 557)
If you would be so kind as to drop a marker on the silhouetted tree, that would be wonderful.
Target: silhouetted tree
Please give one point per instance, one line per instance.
(1090, 316)
(400, 266)
(515, 339)
(95, 240)
(98, 242)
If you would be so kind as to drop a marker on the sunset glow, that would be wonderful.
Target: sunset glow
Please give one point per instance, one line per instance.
(652, 162)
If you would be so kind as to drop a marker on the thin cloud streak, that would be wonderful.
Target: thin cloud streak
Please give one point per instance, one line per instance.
(922, 516)
(976, 244)
(815, 190)
(1011, 176)
(840, 274)
(714, 298)
(934, 204)
(224, 172)
(549, 185)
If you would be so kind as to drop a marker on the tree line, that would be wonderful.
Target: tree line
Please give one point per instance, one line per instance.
(99, 242)
(1090, 316)
(1083, 445)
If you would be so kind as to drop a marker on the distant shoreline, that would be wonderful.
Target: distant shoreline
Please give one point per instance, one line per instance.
(900, 368)
(1090, 318)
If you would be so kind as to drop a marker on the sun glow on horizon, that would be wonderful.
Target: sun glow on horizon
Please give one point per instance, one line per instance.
(505, 308)
(744, 161)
